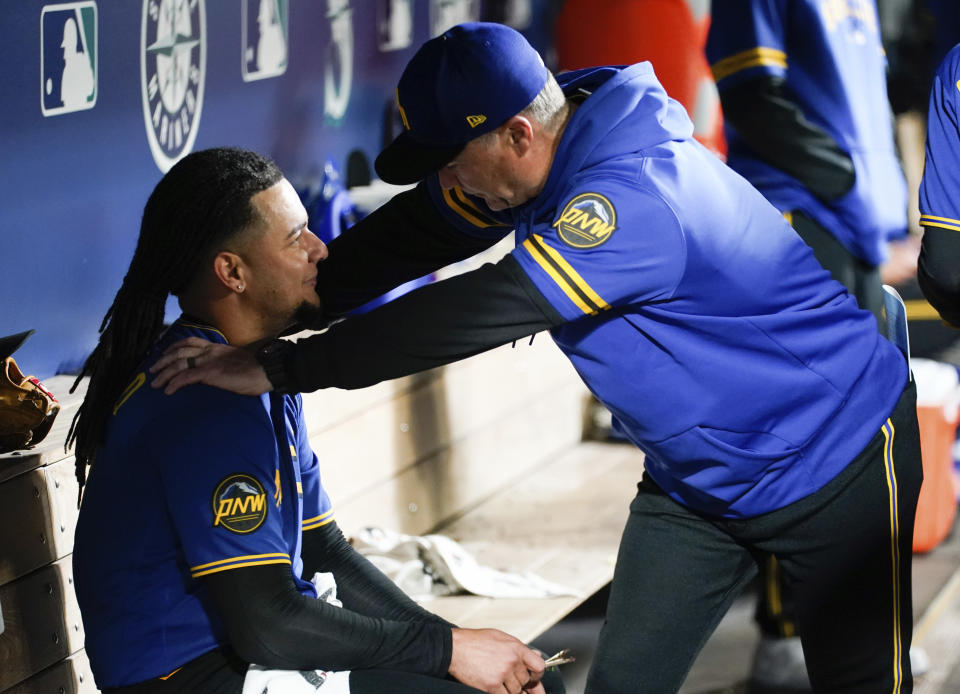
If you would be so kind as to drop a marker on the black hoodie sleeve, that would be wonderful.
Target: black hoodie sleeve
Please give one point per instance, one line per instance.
(435, 325)
(938, 272)
(774, 127)
(402, 240)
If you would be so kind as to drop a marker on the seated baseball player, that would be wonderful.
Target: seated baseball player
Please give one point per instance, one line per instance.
(207, 557)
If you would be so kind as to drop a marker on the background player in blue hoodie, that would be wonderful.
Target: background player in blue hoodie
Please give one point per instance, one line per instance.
(205, 519)
(803, 88)
(939, 267)
(773, 415)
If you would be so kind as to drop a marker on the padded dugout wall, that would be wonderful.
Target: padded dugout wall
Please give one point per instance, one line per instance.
(99, 97)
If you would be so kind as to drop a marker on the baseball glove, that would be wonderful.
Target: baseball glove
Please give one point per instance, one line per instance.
(27, 409)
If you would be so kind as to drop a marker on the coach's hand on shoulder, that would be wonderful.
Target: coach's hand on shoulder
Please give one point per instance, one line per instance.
(195, 360)
(494, 662)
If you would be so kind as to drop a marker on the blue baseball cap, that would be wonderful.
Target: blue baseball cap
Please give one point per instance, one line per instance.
(460, 85)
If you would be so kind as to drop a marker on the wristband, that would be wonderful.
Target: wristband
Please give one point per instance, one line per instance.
(273, 357)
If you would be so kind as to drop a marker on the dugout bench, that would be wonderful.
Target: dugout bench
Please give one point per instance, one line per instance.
(486, 451)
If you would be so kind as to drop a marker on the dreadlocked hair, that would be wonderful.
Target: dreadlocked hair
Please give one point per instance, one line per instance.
(203, 201)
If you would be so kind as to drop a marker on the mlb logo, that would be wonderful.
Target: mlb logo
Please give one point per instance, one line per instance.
(68, 57)
(265, 38)
(394, 24)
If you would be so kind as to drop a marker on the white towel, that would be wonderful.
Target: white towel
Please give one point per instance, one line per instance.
(262, 681)
(433, 565)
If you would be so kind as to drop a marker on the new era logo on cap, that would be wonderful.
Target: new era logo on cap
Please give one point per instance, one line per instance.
(462, 84)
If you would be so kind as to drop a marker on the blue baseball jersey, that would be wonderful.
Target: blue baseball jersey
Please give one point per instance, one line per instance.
(832, 59)
(747, 375)
(940, 187)
(185, 486)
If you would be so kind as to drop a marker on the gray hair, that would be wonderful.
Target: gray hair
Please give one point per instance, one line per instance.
(548, 107)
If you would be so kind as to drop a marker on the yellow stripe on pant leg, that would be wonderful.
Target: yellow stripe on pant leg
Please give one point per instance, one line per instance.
(891, 477)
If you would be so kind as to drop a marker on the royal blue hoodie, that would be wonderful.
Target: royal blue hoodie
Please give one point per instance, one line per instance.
(746, 374)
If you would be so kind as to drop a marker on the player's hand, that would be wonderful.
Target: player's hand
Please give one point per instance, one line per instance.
(495, 662)
(901, 265)
(194, 360)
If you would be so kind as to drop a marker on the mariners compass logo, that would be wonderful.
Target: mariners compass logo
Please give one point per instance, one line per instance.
(173, 57)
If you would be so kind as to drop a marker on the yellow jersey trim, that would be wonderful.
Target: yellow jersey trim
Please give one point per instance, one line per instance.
(245, 560)
(134, 386)
(198, 326)
(568, 279)
(464, 207)
(928, 220)
(317, 521)
(198, 574)
(754, 57)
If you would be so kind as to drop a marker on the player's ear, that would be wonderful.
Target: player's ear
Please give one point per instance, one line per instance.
(518, 133)
(230, 270)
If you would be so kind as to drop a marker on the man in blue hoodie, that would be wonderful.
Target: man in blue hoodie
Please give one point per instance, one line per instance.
(773, 416)
(806, 115)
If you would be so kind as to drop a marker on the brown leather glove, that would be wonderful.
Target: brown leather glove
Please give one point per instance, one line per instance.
(27, 409)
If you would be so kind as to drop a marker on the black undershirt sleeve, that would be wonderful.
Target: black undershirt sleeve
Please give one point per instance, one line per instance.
(269, 622)
(437, 324)
(402, 240)
(361, 587)
(938, 272)
(775, 128)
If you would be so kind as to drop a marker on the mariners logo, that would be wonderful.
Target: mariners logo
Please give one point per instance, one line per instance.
(173, 59)
(587, 221)
(338, 66)
(68, 57)
(239, 504)
(265, 38)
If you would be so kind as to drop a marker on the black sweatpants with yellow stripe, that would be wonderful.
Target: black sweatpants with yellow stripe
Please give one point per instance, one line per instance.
(846, 548)
(775, 613)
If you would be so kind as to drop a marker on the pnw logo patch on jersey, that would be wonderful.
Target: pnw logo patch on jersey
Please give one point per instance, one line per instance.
(239, 504)
(68, 57)
(588, 220)
(173, 64)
